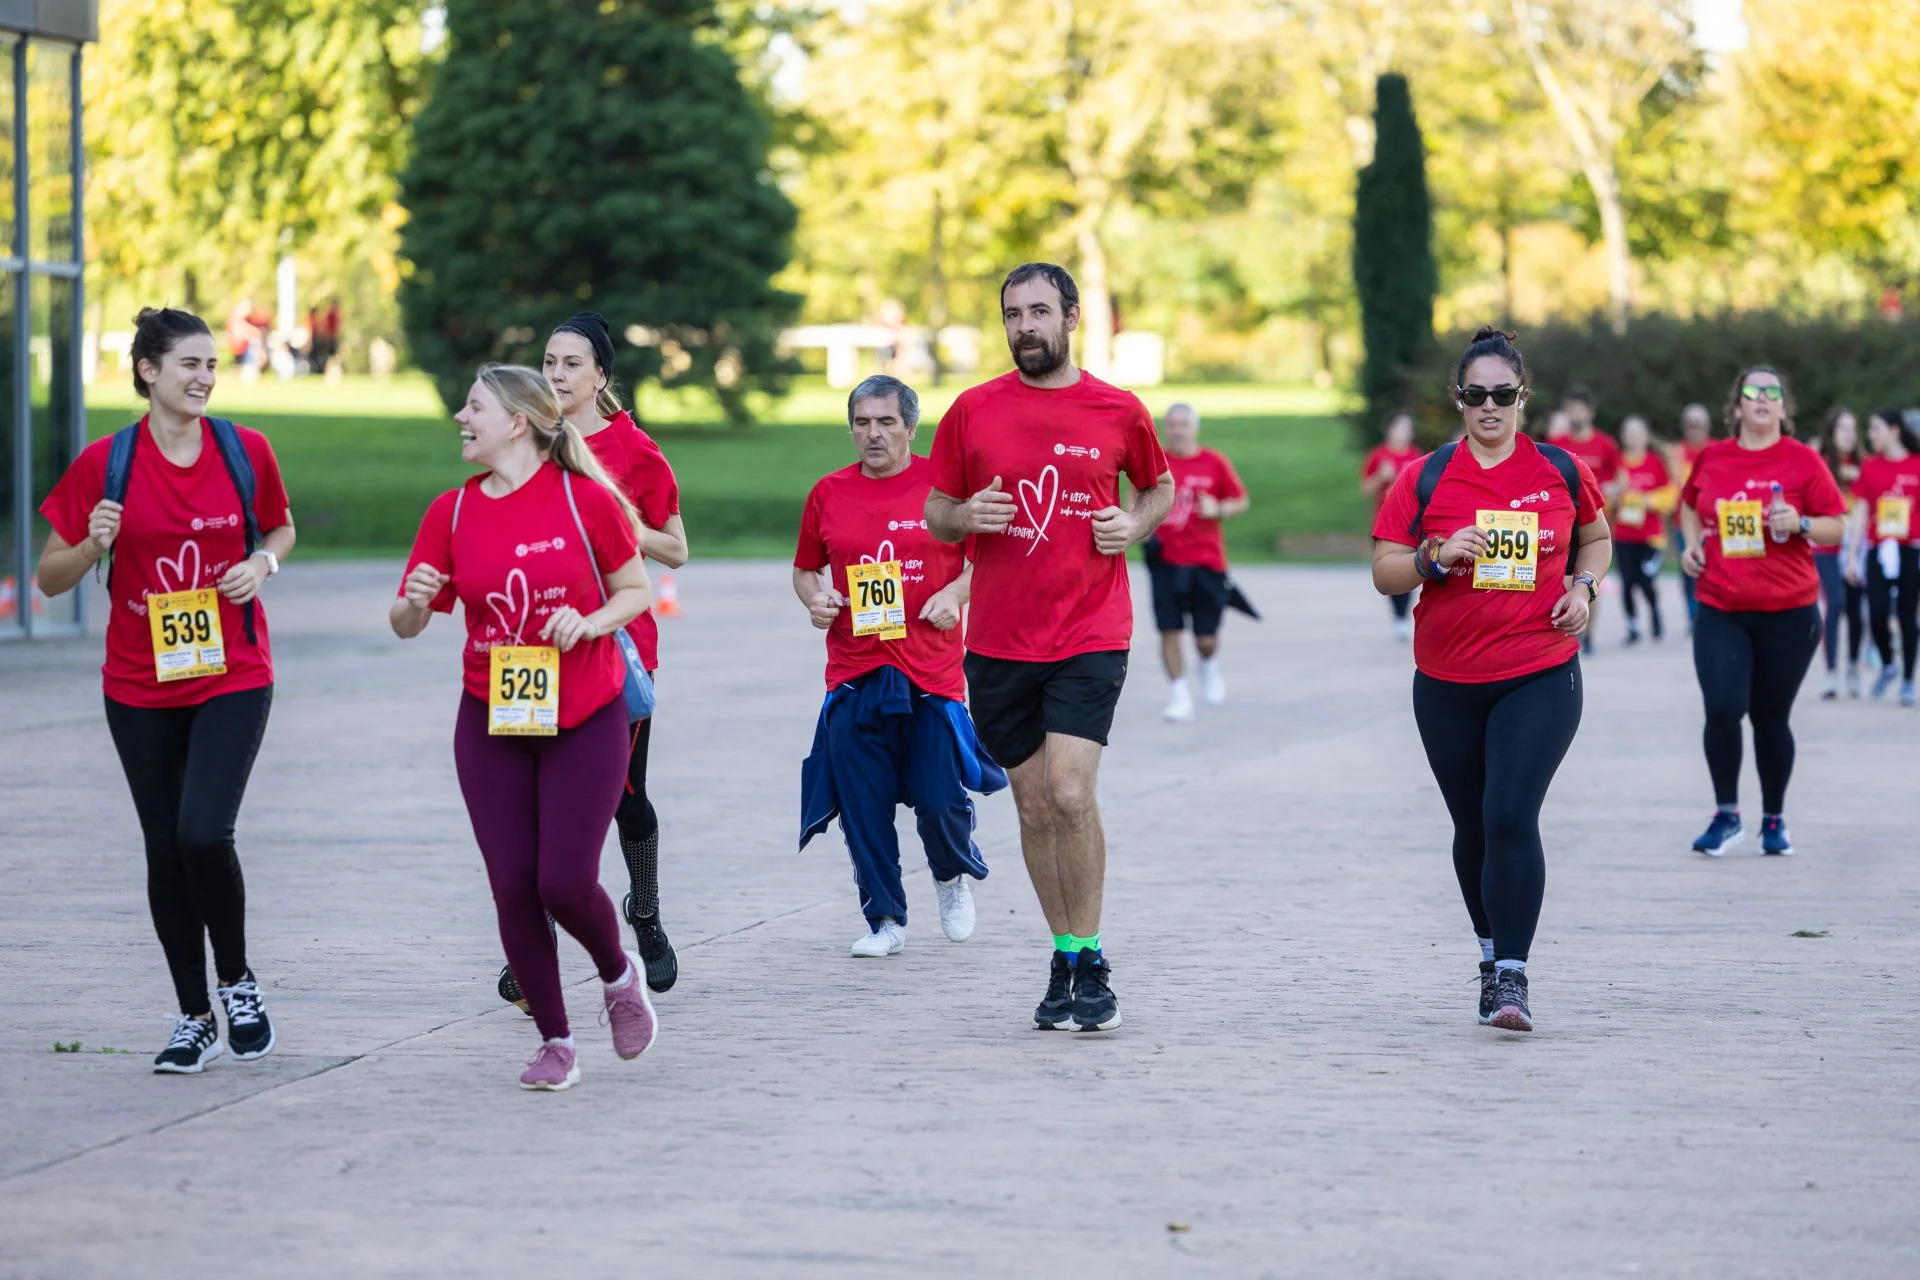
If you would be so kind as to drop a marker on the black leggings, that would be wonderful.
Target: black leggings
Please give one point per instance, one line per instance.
(635, 817)
(187, 768)
(1880, 607)
(1840, 599)
(1494, 749)
(1751, 665)
(1402, 604)
(1639, 572)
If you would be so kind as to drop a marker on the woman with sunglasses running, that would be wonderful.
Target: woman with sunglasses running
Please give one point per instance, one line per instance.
(1886, 499)
(1508, 540)
(1753, 509)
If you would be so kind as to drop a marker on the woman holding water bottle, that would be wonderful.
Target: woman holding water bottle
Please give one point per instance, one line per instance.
(1753, 508)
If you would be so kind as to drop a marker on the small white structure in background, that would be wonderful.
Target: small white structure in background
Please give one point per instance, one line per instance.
(906, 350)
(1139, 359)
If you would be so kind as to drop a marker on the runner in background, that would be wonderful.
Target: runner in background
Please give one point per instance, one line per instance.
(542, 553)
(1187, 559)
(189, 668)
(1598, 450)
(1753, 507)
(1841, 592)
(1886, 499)
(1509, 544)
(1382, 467)
(1640, 523)
(894, 726)
(1696, 433)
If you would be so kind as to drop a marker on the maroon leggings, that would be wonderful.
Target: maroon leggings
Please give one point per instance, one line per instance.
(541, 808)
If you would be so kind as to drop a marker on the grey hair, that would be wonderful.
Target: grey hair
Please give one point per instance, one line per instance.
(1178, 405)
(880, 385)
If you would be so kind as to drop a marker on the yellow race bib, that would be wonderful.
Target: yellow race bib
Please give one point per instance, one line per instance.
(186, 635)
(1633, 509)
(1743, 529)
(879, 601)
(1893, 517)
(1513, 550)
(523, 694)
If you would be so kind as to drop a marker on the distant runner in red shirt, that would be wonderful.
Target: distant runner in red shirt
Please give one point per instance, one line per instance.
(1887, 513)
(1753, 507)
(189, 670)
(1382, 467)
(890, 597)
(1597, 449)
(1510, 544)
(1187, 558)
(1029, 466)
(1696, 433)
(1842, 569)
(1639, 523)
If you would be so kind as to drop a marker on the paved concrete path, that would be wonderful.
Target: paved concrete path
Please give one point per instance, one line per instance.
(1300, 1088)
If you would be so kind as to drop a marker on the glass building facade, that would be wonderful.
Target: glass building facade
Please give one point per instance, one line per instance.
(41, 282)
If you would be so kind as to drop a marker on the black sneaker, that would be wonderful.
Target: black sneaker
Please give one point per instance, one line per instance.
(249, 1033)
(656, 953)
(1094, 1008)
(1056, 1008)
(510, 990)
(1510, 997)
(195, 1043)
(1489, 992)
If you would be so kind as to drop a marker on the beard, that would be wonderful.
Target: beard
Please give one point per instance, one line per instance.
(1045, 359)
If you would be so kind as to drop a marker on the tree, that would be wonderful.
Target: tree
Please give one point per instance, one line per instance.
(595, 154)
(1393, 267)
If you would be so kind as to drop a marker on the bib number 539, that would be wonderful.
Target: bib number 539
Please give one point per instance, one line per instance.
(187, 642)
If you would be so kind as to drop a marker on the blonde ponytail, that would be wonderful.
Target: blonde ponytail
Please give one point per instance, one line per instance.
(527, 393)
(606, 402)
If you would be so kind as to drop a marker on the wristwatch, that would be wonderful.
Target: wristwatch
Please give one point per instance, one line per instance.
(1592, 584)
(273, 561)
(1806, 526)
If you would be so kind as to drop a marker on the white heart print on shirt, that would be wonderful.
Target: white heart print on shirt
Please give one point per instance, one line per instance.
(885, 554)
(1037, 500)
(181, 573)
(518, 598)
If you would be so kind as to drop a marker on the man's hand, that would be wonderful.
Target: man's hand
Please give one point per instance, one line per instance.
(1112, 531)
(825, 607)
(942, 609)
(988, 511)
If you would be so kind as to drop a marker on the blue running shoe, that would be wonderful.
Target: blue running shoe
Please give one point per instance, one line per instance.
(1774, 838)
(1889, 672)
(1906, 694)
(1721, 834)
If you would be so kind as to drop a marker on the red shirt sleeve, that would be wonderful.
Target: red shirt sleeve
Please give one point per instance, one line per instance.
(1820, 494)
(1375, 456)
(655, 490)
(609, 533)
(270, 492)
(811, 553)
(949, 454)
(1230, 486)
(74, 496)
(1396, 512)
(1146, 461)
(1592, 501)
(433, 545)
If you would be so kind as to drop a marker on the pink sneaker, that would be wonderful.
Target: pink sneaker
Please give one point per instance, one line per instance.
(631, 1013)
(552, 1068)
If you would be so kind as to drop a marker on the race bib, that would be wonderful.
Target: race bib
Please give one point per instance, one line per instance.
(1633, 509)
(879, 601)
(523, 696)
(187, 642)
(1893, 518)
(1743, 529)
(1513, 550)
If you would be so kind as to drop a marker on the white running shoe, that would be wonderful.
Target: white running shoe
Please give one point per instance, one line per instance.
(883, 941)
(956, 908)
(1180, 705)
(1213, 685)
(1403, 629)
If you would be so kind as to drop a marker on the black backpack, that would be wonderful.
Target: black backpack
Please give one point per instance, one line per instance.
(233, 452)
(1436, 463)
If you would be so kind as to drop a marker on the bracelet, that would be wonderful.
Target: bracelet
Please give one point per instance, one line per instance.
(1423, 562)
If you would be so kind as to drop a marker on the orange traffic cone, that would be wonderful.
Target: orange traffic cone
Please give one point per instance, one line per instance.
(667, 602)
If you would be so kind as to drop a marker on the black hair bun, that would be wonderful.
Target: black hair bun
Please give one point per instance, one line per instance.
(1488, 332)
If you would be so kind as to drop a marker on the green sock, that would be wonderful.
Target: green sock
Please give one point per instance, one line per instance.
(1071, 944)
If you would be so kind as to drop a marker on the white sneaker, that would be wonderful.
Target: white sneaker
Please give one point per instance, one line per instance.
(884, 941)
(1403, 629)
(1180, 705)
(1213, 685)
(956, 908)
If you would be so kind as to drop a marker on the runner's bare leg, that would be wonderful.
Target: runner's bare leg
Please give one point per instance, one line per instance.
(1170, 656)
(1060, 832)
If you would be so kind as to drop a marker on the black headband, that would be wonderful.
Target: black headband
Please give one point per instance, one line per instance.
(592, 326)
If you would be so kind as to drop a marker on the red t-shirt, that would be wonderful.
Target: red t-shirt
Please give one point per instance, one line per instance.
(1186, 536)
(1642, 478)
(1474, 635)
(516, 560)
(1783, 577)
(641, 470)
(851, 518)
(1882, 479)
(181, 530)
(1382, 456)
(1684, 456)
(1041, 593)
(1599, 451)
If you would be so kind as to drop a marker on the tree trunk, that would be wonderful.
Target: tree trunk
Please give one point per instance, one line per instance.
(1613, 232)
(1096, 301)
(937, 299)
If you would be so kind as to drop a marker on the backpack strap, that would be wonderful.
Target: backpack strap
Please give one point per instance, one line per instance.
(1569, 472)
(119, 473)
(233, 452)
(1431, 469)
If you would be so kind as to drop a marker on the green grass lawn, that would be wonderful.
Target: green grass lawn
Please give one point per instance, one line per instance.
(363, 458)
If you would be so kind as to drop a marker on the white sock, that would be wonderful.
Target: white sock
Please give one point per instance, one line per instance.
(565, 1042)
(1486, 950)
(1208, 664)
(623, 979)
(1521, 965)
(1178, 684)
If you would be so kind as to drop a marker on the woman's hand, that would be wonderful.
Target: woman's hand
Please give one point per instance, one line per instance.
(1573, 611)
(1466, 544)
(1693, 561)
(424, 585)
(103, 526)
(1783, 520)
(242, 582)
(567, 627)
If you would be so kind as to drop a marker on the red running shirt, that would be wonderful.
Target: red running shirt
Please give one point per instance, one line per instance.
(1383, 456)
(638, 466)
(515, 561)
(1634, 519)
(181, 530)
(1041, 593)
(851, 518)
(1471, 635)
(1186, 536)
(1599, 451)
(1783, 576)
(1896, 480)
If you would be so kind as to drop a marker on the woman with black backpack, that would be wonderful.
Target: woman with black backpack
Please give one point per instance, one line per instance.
(195, 516)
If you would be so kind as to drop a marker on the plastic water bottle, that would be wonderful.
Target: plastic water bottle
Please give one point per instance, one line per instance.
(1777, 535)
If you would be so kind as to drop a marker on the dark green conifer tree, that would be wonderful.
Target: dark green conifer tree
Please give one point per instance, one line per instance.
(1393, 267)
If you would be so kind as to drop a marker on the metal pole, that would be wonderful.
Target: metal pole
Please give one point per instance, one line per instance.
(21, 355)
(77, 361)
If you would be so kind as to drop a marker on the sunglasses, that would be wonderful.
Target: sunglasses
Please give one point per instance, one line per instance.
(1754, 392)
(1502, 395)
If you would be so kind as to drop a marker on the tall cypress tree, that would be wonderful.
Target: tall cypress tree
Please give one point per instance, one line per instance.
(595, 154)
(1393, 267)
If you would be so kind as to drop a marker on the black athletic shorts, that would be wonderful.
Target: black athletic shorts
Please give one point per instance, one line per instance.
(1015, 705)
(1183, 591)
